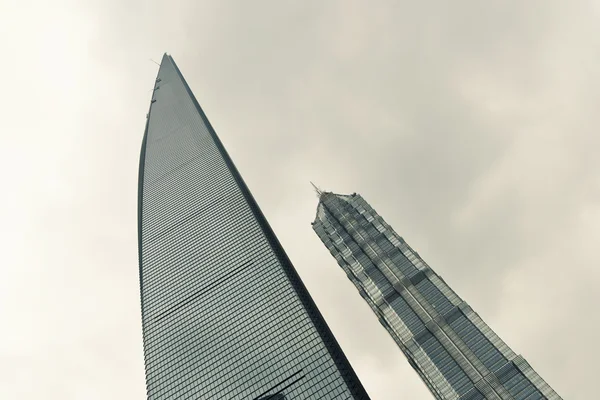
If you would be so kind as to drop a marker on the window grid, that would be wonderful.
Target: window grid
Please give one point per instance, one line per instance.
(453, 350)
(224, 313)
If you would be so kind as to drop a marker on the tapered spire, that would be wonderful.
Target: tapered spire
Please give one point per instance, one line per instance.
(317, 189)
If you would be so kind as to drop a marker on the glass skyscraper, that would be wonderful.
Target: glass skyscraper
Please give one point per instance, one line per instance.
(224, 313)
(455, 353)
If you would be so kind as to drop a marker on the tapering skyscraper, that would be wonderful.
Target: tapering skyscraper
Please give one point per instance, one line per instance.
(455, 353)
(224, 313)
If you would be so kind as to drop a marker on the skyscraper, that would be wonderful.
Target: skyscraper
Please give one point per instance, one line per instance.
(224, 313)
(455, 353)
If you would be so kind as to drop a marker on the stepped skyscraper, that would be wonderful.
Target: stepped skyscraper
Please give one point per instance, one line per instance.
(224, 313)
(455, 353)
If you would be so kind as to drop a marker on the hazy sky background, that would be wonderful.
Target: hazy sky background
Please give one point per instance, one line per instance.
(471, 126)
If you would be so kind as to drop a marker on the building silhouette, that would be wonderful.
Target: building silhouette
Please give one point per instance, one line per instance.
(224, 313)
(455, 353)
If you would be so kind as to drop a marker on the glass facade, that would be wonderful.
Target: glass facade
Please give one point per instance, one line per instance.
(224, 313)
(454, 352)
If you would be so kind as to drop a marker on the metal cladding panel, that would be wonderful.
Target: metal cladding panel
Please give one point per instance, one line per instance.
(455, 353)
(225, 315)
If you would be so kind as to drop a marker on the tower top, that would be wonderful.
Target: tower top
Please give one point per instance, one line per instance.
(317, 189)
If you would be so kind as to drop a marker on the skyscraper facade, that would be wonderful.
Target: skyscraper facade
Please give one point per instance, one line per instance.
(224, 313)
(455, 353)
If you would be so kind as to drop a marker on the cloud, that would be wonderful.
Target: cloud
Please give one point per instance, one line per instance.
(469, 127)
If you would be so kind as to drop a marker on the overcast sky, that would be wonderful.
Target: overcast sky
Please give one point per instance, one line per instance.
(470, 126)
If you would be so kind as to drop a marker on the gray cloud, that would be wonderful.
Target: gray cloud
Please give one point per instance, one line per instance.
(469, 127)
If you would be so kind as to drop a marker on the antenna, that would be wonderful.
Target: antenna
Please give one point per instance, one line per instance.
(317, 189)
(154, 62)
